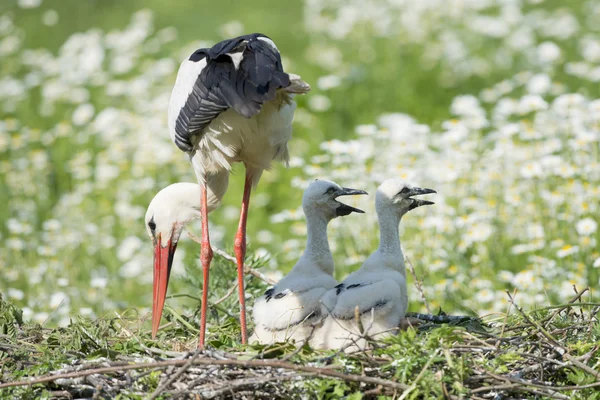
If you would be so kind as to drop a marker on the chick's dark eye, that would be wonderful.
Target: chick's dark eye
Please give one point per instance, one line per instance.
(404, 190)
(330, 190)
(152, 225)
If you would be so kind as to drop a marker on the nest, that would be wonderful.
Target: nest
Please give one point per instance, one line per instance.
(550, 354)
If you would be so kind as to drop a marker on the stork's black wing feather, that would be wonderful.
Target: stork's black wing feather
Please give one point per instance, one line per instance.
(378, 304)
(220, 85)
(341, 287)
(269, 294)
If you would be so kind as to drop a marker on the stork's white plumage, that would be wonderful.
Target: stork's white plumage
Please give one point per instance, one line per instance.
(230, 103)
(288, 310)
(378, 288)
(172, 209)
(169, 212)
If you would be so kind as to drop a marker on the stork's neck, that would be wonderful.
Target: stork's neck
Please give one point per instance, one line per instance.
(317, 250)
(389, 236)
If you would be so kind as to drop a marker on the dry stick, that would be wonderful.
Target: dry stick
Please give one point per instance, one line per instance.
(240, 363)
(444, 388)
(577, 296)
(354, 338)
(589, 354)
(593, 312)
(269, 350)
(160, 352)
(418, 284)
(229, 293)
(558, 396)
(478, 340)
(304, 342)
(358, 320)
(176, 375)
(541, 385)
(229, 387)
(162, 327)
(418, 378)
(373, 392)
(228, 257)
(505, 386)
(247, 268)
(57, 394)
(505, 320)
(565, 352)
(515, 386)
(543, 360)
(351, 337)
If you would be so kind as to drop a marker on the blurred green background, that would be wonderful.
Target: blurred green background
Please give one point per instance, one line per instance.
(59, 147)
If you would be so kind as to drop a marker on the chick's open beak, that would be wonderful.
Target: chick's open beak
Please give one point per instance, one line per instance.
(418, 202)
(345, 209)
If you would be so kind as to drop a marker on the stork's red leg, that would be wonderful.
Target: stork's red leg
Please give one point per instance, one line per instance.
(240, 254)
(206, 255)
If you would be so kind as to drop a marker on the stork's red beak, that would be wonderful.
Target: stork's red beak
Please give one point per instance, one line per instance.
(163, 259)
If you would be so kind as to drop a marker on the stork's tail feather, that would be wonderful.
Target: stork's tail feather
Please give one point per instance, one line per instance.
(297, 85)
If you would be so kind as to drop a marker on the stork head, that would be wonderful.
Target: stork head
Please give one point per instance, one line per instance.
(397, 195)
(168, 213)
(320, 197)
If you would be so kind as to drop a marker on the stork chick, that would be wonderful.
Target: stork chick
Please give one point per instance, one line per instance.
(377, 291)
(288, 310)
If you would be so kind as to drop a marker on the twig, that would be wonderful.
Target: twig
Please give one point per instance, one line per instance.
(373, 392)
(247, 268)
(577, 296)
(229, 257)
(358, 321)
(567, 305)
(480, 341)
(215, 305)
(505, 319)
(554, 342)
(232, 385)
(142, 345)
(304, 342)
(414, 383)
(541, 385)
(229, 293)
(54, 310)
(180, 319)
(57, 394)
(516, 387)
(270, 350)
(317, 371)
(173, 378)
(350, 339)
(411, 268)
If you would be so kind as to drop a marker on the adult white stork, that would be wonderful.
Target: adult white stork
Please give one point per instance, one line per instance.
(230, 103)
(169, 212)
(288, 310)
(378, 288)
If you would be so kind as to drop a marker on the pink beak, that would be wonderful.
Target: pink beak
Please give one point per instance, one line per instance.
(163, 260)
